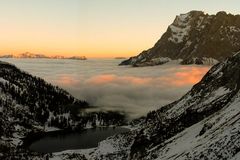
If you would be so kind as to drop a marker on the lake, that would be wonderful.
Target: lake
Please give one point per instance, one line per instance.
(58, 141)
(103, 83)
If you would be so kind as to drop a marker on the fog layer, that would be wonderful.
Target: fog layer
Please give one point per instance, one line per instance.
(103, 83)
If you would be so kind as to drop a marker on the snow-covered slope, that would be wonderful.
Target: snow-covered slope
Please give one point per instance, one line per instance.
(194, 38)
(203, 124)
(28, 104)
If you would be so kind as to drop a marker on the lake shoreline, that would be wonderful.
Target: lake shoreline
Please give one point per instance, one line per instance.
(33, 138)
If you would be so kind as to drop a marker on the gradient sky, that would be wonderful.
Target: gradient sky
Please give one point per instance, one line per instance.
(94, 28)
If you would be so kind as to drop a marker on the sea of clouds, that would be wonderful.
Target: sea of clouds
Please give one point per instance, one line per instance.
(103, 83)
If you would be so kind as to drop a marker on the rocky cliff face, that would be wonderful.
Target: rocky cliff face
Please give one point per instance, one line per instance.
(194, 38)
(203, 124)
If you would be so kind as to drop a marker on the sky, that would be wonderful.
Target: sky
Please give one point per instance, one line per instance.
(93, 28)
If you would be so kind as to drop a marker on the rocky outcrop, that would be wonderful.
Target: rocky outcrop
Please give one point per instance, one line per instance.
(194, 38)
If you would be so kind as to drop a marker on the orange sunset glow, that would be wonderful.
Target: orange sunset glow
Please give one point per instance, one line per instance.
(179, 79)
(187, 77)
(95, 29)
(76, 28)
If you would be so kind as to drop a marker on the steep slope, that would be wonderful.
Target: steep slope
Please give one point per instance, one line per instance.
(194, 37)
(203, 124)
(29, 104)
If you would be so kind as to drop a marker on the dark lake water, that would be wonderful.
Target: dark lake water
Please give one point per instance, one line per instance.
(58, 141)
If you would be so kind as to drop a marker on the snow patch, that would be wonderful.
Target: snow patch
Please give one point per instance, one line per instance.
(180, 28)
(50, 129)
(3, 80)
(209, 61)
(178, 33)
(234, 29)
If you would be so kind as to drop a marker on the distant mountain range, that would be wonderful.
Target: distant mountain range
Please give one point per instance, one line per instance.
(194, 38)
(32, 55)
(120, 57)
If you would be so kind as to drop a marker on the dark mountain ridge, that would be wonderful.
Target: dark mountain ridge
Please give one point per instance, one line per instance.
(194, 38)
(29, 105)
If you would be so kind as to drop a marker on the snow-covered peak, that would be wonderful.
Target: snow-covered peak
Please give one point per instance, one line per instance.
(195, 35)
(182, 19)
(180, 28)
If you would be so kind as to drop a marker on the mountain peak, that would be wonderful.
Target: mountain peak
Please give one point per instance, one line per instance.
(221, 13)
(193, 13)
(194, 37)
